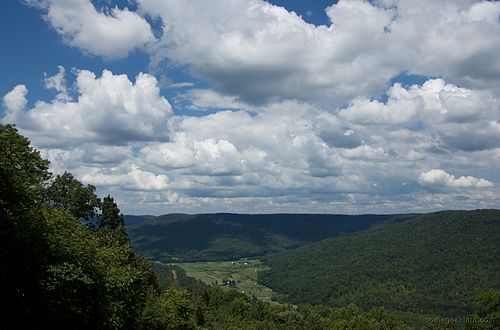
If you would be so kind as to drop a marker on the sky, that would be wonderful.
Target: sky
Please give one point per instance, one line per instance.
(252, 106)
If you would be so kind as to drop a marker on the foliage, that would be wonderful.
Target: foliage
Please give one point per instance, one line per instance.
(488, 316)
(22, 171)
(71, 195)
(432, 264)
(90, 277)
(111, 220)
(111, 216)
(55, 271)
(232, 310)
(22, 229)
(172, 309)
(213, 237)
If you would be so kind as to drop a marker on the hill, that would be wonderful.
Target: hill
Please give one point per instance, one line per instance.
(435, 263)
(223, 236)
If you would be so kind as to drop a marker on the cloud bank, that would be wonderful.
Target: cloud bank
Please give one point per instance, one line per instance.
(290, 116)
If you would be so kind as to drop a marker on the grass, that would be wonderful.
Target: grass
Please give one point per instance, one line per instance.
(243, 272)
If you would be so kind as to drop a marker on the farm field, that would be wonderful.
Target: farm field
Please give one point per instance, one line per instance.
(239, 274)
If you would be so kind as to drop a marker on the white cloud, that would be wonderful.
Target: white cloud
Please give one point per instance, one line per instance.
(58, 83)
(15, 100)
(128, 178)
(259, 52)
(425, 38)
(308, 130)
(204, 99)
(202, 157)
(461, 118)
(110, 34)
(110, 109)
(440, 178)
(85, 154)
(433, 102)
(287, 154)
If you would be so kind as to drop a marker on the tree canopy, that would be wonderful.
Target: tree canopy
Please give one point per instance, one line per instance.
(71, 195)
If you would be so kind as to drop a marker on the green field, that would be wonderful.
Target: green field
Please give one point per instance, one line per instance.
(243, 272)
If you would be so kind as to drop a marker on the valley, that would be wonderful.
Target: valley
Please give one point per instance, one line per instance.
(419, 267)
(240, 275)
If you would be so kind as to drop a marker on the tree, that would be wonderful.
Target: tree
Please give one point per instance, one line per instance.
(172, 309)
(68, 193)
(110, 216)
(23, 174)
(110, 221)
(55, 272)
(22, 171)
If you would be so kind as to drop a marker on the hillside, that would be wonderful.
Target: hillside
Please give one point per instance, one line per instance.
(206, 237)
(433, 264)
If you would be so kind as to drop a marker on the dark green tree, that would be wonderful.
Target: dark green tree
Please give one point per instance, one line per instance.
(22, 228)
(55, 272)
(110, 216)
(71, 195)
(22, 171)
(110, 221)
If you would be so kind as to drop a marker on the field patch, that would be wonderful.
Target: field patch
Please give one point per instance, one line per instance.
(239, 275)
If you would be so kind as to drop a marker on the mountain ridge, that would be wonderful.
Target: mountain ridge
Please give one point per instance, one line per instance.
(226, 236)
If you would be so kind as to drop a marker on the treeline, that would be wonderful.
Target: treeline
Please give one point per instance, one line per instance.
(435, 264)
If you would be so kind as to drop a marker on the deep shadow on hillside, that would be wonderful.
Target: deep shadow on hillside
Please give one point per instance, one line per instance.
(224, 236)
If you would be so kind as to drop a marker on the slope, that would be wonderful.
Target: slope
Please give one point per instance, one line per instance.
(434, 263)
(206, 237)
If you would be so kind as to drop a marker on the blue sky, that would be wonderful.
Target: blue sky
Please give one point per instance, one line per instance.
(252, 106)
(36, 48)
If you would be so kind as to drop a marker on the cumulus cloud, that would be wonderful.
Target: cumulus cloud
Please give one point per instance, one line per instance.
(110, 109)
(112, 33)
(15, 100)
(259, 52)
(203, 157)
(433, 102)
(461, 118)
(296, 121)
(58, 83)
(129, 178)
(440, 178)
(425, 39)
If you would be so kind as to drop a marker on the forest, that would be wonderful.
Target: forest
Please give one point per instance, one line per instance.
(436, 264)
(66, 262)
(225, 236)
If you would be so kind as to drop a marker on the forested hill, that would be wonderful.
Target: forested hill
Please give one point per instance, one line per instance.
(435, 263)
(182, 237)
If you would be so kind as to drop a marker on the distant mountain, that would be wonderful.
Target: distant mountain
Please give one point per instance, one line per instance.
(132, 219)
(435, 263)
(224, 236)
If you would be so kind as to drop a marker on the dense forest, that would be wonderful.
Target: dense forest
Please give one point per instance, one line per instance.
(207, 237)
(66, 263)
(436, 263)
